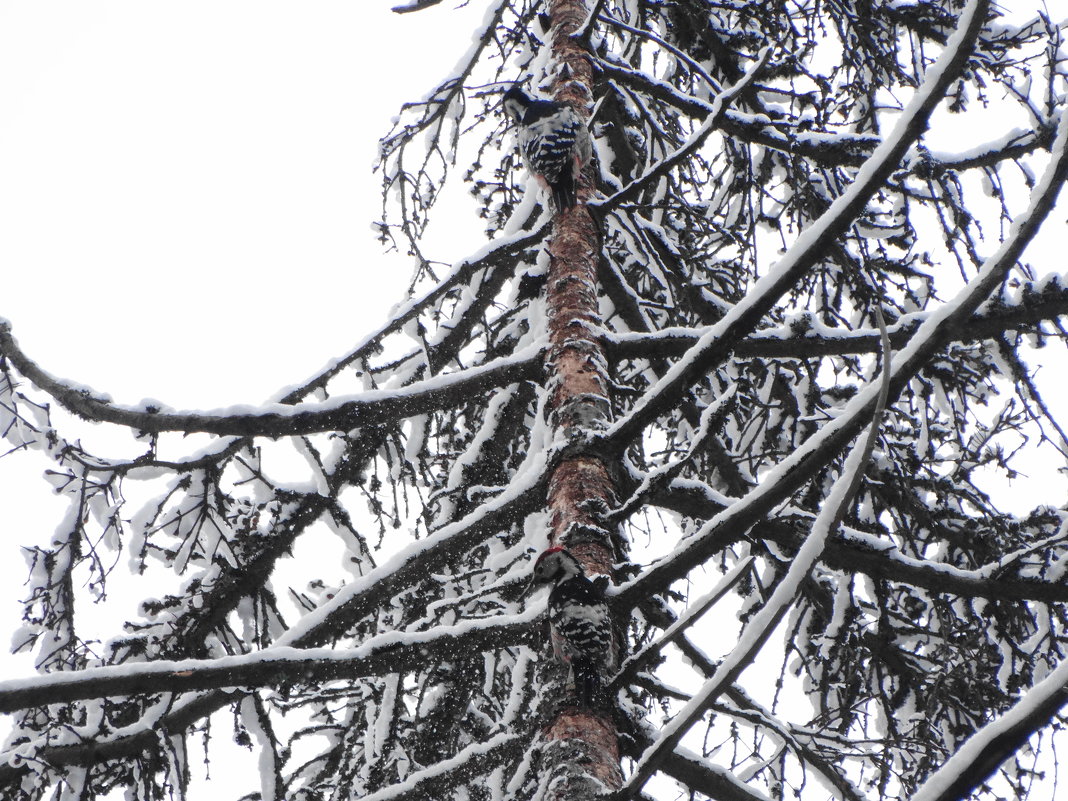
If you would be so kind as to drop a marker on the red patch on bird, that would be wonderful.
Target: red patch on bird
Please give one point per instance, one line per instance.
(547, 551)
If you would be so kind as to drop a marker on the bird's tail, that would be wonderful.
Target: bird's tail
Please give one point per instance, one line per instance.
(564, 191)
(587, 681)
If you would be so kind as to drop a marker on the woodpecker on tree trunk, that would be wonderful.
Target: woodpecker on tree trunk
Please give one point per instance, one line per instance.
(554, 142)
(580, 624)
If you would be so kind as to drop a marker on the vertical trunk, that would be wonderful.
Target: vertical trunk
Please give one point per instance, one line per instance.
(582, 747)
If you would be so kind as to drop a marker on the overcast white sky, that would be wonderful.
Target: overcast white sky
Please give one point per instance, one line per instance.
(186, 201)
(185, 188)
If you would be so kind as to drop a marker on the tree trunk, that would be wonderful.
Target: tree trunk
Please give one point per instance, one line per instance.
(581, 745)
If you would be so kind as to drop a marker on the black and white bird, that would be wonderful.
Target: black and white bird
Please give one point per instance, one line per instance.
(580, 623)
(554, 142)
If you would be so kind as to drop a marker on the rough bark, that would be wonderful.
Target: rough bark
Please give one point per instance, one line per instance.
(581, 754)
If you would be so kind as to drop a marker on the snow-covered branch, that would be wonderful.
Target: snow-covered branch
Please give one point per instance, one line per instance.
(853, 551)
(989, 747)
(822, 447)
(841, 149)
(803, 337)
(655, 172)
(419, 560)
(813, 243)
(704, 777)
(761, 626)
(829, 149)
(389, 653)
(497, 256)
(637, 661)
(357, 599)
(341, 414)
(414, 5)
(475, 760)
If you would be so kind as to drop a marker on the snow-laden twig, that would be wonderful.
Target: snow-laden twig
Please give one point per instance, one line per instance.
(710, 416)
(694, 612)
(339, 414)
(413, 563)
(438, 779)
(712, 84)
(823, 148)
(981, 754)
(763, 623)
(669, 162)
(394, 651)
(256, 720)
(804, 337)
(421, 558)
(814, 242)
(832, 149)
(860, 552)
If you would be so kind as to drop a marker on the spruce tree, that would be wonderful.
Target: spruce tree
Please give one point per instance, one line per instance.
(759, 381)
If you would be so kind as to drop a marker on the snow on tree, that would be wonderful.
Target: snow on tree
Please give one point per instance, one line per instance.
(681, 379)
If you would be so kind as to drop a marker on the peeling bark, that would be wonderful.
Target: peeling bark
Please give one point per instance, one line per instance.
(581, 752)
